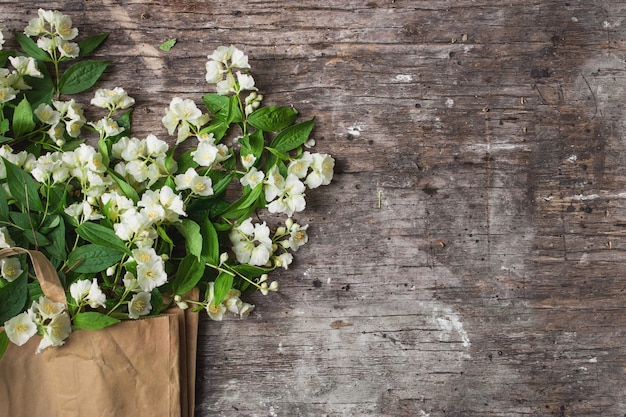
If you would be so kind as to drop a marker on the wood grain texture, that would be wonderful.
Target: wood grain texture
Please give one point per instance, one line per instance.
(468, 258)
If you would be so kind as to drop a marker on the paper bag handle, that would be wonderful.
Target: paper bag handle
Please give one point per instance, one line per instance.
(45, 272)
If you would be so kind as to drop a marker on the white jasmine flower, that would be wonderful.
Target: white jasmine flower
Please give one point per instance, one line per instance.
(68, 49)
(138, 170)
(46, 44)
(252, 178)
(56, 332)
(238, 58)
(79, 290)
(36, 26)
(25, 66)
(115, 204)
(56, 133)
(7, 94)
(291, 198)
(20, 328)
(172, 202)
(63, 26)
(145, 255)
(205, 154)
(153, 210)
(299, 167)
(245, 82)
(5, 239)
(222, 54)
(151, 274)
(128, 149)
(82, 211)
(183, 181)
(107, 127)
(216, 312)
(298, 236)
(130, 282)
(95, 297)
(251, 243)
(214, 71)
(155, 147)
(227, 85)
(322, 166)
(245, 309)
(274, 185)
(248, 160)
(183, 114)
(233, 304)
(131, 224)
(11, 268)
(47, 114)
(202, 185)
(283, 260)
(139, 305)
(47, 308)
(112, 100)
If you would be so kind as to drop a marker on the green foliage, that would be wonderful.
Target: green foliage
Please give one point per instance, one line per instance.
(93, 258)
(81, 76)
(168, 45)
(273, 118)
(13, 296)
(92, 320)
(138, 220)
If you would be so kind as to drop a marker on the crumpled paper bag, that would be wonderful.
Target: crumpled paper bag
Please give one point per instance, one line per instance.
(142, 367)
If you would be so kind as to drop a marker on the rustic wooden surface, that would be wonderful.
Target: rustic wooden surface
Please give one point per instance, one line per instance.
(468, 259)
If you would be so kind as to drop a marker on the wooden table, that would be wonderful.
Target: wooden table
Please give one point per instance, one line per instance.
(468, 259)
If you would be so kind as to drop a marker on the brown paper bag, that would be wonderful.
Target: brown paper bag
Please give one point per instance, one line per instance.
(133, 368)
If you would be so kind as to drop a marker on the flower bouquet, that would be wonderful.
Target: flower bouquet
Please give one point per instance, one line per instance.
(132, 225)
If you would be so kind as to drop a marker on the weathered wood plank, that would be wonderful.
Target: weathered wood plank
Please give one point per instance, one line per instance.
(468, 258)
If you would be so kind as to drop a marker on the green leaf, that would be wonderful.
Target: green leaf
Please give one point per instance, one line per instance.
(23, 187)
(13, 297)
(293, 136)
(81, 76)
(247, 200)
(92, 320)
(125, 187)
(4, 207)
(35, 238)
(218, 127)
(156, 300)
(4, 343)
(93, 258)
(250, 271)
(222, 184)
(56, 249)
(210, 242)
(223, 284)
(23, 119)
(102, 236)
(168, 45)
(4, 126)
(124, 121)
(217, 105)
(234, 112)
(4, 57)
(92, 43)
(190, 271)
(278, 154)
(103, 149)
(193, 239)
(273, 118)
(30, 47)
